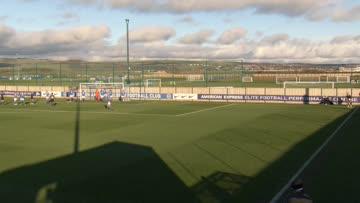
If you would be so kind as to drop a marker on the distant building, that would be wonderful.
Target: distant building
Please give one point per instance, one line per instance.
(348, 69)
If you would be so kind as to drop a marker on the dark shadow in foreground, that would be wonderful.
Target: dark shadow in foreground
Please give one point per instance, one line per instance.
(121, 172)
(231, 188)
(219, 187)
(77, 128)
(115, 172)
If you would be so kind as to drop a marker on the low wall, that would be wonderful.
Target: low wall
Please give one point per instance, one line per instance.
(38, 91)
(251, 95)
(34, 88)
(218, 94)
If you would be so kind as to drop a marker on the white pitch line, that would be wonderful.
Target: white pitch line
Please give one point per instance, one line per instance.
(208, 109)
(90, 112)
(276, 198)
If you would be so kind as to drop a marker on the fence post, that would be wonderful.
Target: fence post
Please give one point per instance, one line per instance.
(227, 94)
(60, 74)
(209, 93)
(245, 95)
(160, 92)
(321, 91)
(336, 92)
(206, 75)
(140, 83)
(173, 75)
(265, 94)
(86, 73)
(113, 73)
(13, 70)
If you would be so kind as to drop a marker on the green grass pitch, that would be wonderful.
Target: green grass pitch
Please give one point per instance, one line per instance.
(156, 151)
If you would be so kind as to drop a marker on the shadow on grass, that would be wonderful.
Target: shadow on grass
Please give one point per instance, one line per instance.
(122, 172)
(77, 128)
(219, 187)
(115, 172)
(225, 187)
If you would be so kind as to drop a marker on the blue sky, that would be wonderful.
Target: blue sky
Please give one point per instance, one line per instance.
(335, 18)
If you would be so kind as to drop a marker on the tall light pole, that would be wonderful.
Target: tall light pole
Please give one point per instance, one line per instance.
(127, 50)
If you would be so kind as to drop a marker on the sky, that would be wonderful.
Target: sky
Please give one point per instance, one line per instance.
(307, 31)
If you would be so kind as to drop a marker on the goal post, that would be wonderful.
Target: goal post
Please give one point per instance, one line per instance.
(195, 77)
(303, 84)
(309, 78)
(152, 83)
(281, 79)
(343, 79)
(247, 79)
(87, 90)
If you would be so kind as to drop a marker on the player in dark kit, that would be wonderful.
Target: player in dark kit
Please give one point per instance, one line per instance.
(298, 194)
(349, 100)
(52, 99)
(2, 98)
(32, 100)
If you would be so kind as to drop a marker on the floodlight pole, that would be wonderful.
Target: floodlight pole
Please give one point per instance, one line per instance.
(127, 50)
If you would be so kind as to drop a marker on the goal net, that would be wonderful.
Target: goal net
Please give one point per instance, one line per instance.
(290, 84)
(281, 79)
(309, 78)
(153, 83)
(247, 79)
(193, 77)
(343, 79)
(114, 90)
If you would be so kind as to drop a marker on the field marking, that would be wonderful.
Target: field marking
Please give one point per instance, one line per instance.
(90, 112)
(276, 198)
(202, 110)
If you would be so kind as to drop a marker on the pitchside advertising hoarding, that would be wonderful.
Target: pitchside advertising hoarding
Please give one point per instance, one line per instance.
(148, 96)
(26, 93)
(206, 97)
(269, 98)
(185, 97)
(56, 94)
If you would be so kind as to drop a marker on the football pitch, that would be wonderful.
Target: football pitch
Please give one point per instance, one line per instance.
(164, 151)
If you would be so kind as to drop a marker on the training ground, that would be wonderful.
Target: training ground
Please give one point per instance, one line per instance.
(175, 152)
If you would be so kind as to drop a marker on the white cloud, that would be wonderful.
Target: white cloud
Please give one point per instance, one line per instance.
(310, 9)
(70, 16)
(306, 50)
(51, 41)
(151, 34)
(90, 43)
(6, 33)
(74, 36)
(343, 15)
(232, 35)
(334, 10)
(187, 19)
(199, 37)
(274, 39)
(3, 18)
